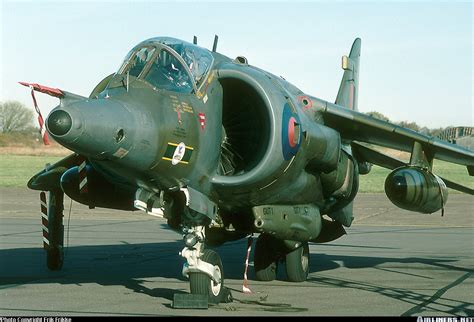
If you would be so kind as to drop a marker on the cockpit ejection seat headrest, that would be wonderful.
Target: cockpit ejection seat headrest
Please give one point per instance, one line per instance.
(165, 58)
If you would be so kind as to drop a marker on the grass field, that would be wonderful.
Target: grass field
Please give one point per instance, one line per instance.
(15, 171)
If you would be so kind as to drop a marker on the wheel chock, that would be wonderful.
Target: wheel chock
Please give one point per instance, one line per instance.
(190, 301)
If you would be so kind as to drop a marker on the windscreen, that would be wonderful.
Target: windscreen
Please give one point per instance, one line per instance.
(167, 72)
(169, 64)
(197, 59)
(139, 60)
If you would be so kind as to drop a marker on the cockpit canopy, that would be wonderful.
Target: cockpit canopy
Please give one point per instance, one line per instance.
(169, 64)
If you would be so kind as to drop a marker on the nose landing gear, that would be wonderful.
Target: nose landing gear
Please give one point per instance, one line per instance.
(203, 267)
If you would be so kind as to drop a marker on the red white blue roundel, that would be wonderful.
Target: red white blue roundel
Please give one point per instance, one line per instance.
(290, 133)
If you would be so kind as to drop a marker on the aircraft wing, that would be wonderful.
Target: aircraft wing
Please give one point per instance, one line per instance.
(355, 126)
(366, 154)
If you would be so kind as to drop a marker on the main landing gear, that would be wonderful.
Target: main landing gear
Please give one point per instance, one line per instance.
(204, 269)
(269, 251)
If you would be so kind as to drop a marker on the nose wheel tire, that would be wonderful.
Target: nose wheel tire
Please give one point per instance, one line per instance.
(201, 283)
(297, 264)
(266, 258)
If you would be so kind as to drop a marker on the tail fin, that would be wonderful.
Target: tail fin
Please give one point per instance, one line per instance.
(349, 88)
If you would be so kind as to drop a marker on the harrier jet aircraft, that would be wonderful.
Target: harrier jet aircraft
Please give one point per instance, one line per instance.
(222, 149)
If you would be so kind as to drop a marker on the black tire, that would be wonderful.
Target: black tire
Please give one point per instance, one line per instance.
(297, 264)
(265, 258)
(200, 283)
(55, 258)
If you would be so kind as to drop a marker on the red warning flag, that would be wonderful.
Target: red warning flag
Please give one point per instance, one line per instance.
(43, 132)
(56, 92)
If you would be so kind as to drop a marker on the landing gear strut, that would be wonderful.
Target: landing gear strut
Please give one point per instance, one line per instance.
(55, 251)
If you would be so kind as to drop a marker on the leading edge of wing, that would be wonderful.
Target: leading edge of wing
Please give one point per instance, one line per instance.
(357, 126)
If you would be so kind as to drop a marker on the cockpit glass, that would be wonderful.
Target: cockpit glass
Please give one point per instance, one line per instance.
(139, 60)
(198, 60)
(167, 72)
(168, 63)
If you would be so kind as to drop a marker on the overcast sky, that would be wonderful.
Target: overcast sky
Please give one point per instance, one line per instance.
(416, 62)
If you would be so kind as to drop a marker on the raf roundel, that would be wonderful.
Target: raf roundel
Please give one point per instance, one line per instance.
(290, 133)
(293, 139)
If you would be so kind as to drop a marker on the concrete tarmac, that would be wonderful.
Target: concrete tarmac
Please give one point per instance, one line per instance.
(391, 263)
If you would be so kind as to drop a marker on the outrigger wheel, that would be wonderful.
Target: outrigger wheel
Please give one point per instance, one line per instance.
(55, 251)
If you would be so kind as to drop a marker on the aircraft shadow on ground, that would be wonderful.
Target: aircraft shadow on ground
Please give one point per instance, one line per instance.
(421, 302)
(132, 265)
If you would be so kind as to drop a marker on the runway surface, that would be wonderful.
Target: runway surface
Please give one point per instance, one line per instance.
(391, 262)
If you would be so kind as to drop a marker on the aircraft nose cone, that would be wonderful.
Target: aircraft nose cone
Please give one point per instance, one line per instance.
(59, 122)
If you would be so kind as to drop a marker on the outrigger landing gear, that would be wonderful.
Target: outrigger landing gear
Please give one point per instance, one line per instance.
(203, 267)
(55, 232)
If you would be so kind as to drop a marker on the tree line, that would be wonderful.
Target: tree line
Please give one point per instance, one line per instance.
(410, 125)
(15, 117)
